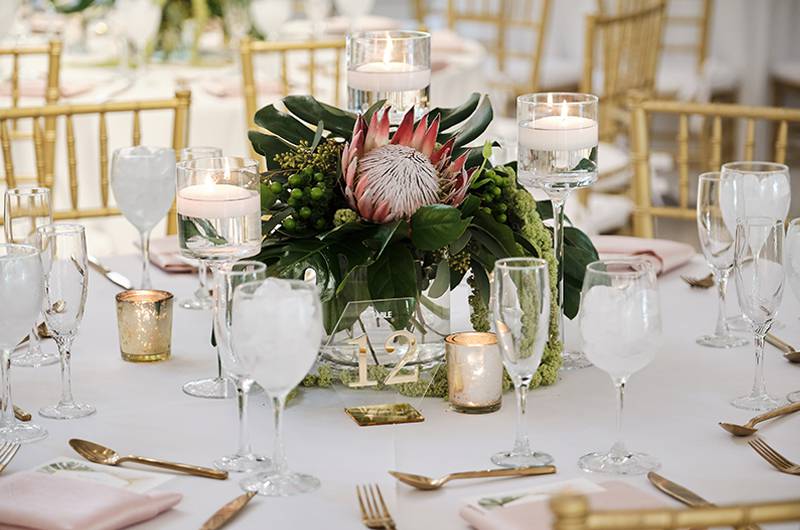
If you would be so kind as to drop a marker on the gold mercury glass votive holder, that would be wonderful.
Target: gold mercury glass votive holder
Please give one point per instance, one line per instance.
(144, 317)
(474, 372)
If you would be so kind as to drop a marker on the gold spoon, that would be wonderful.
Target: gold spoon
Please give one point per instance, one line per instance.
(422, 482)
(792, 355)
(706, 282)
(748, 428)
(100, 454)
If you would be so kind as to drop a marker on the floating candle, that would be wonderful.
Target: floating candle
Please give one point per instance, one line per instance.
(559, 133)
(214, 201)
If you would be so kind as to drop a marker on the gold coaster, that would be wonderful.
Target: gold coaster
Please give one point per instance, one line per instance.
(388, 414)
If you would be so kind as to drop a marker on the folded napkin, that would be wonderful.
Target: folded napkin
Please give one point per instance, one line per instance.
(31, 500)
(531, 510)
(165, 254)
(664, 254)
(36, 88)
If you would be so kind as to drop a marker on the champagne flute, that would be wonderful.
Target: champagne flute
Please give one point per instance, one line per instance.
(228, 278)
(276, 332)
(620, 324)
(64, 262)
(521, 312)
(143, 180)
(20, 306)
(26, 209)
(201, 299)
(716, 241)
(759, 272)
(792, 262)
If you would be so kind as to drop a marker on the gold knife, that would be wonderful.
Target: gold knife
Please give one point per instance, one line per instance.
(21, 414)
(224, 515)
(684, 495)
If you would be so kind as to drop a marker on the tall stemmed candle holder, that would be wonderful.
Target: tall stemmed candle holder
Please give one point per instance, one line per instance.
(557, 139)
(389, 65)
(219, 221)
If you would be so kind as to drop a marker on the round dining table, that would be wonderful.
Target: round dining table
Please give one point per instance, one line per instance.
(671, 411)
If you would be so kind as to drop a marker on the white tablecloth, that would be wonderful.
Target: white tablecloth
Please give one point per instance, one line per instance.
(672, 411)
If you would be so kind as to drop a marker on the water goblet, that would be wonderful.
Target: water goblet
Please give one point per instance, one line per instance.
(219, 221)
(64, 262)
(228, 278)
(716, 241)
(276, 332)
(521, 314)
(143, 180)
(20, 305)
(557, 137)
(759, 273)
(201, 299)
(26, 209)
(620, 324)
(317, 11)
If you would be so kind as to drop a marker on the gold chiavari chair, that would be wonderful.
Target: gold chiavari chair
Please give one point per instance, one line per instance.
(571, 512)
(52, 51)
(712, 114)
(284, 51)
(45, 175)
(505, 18)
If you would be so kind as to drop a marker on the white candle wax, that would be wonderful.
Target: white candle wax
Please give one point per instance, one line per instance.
(389, 76)
(214, 201)
(558, 133)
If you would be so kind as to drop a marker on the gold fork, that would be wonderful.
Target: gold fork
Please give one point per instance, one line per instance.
(7, 452)
(374, 512)
(774, 457)
(705, 282)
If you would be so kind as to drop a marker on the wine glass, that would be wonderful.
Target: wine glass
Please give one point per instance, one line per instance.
(276, 332)
(228, 278)
(557, 137)
(26, 209)
(219, 221)
(139, 20)
(317, 11)
(716, 241)
(754, 189)
(143, 180)
(620, 324)
(269, 16)
(20, 305)
(521, 312)
(64, 262)
(759, 272)
(201, 299)
(792, 262)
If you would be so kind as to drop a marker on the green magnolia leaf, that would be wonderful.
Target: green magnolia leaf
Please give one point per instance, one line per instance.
(441, 282)
(499, 232)
(393, 275)
(454, 116)
(308, 109)
(576, 238)
(436, 226)
(575, 261)
(299, 251)
(461, 243)
(283, 125)
(476, 124)
(386, 234)
(268, 146)
(470, 206)
(572, 299)
(545, 210)
(71, 6)
(275, 219)
(481, 281)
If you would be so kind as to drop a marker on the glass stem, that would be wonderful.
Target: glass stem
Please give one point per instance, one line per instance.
(521, 443)
(721, 277)
(216, 280)
(6, 404)
(759, 385)
(64, 347)
(145, 236)
(618, 450)
(202, 276)
(557, 201)
(279, 465)
(242, 390)
(34, 347)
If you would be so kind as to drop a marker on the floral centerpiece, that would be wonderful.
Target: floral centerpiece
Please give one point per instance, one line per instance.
(346, 194)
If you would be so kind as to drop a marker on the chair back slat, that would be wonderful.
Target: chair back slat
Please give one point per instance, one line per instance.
(38, 150)
(780, 142)
(5, 141)
(683, 160)
(103, 140)
(750, 139)
(137, 129)
(72, 163)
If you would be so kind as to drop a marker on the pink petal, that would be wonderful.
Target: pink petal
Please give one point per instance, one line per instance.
(381, 213)
(443, 152)
(361, 187)
(350, 174)
(345, 157)
(404, 133)
(419, 133)
(429, 141)
(458, 163)
(365, 209)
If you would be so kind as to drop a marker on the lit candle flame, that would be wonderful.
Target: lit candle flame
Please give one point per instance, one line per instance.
(564, 109)
(387, 52)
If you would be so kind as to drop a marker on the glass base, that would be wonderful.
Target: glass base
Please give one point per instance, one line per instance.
(22, 433)
(196, 304)
(243, 463)
(29, 359)
(512, 459)
(212, 388)
(574, 360)
(738, 323)
(757, 402)
(273, 484)
(630, 464)
(722, 341)
(67, 411)
(794, 397)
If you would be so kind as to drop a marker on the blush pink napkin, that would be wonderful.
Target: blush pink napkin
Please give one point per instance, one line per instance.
(664, 254)
(165, 254)
(536, 515)
(38, 501)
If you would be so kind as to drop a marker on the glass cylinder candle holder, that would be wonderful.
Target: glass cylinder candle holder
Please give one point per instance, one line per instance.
(474, 372)
(389, 65)
(144, 317)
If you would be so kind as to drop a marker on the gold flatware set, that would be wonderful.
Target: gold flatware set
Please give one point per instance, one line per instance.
(427, 483)
(749, 428)
(777, 460)
(374, 512)
(7, 452)
(226, 514)
(789, 352)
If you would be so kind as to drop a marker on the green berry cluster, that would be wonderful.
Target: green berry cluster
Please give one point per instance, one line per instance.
(325, 157)
(343, 216)
(495, 188)
(460, 262)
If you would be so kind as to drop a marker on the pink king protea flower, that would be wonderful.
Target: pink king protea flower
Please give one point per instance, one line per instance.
(387, 180)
